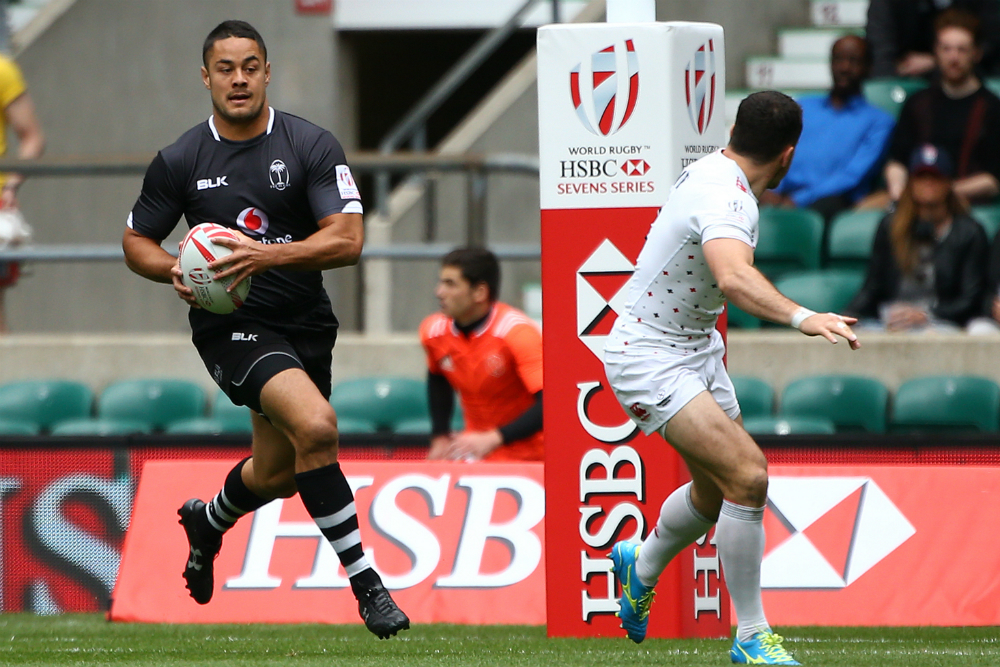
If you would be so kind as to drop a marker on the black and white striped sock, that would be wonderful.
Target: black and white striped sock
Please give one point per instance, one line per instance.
(232, 502)
(328, 498)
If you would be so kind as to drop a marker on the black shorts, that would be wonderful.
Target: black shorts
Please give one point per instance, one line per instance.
(242, 352)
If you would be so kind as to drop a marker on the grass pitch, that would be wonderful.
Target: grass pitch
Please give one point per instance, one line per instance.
(28, 640)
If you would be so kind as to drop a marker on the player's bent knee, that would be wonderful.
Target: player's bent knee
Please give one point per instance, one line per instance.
(318, 434)
(750, 486)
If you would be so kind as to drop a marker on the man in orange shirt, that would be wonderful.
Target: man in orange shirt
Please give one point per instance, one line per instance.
(491, 354)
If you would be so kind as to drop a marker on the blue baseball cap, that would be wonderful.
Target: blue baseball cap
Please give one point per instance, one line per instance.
(931, 160)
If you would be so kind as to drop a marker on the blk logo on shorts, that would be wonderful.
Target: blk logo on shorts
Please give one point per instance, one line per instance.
(604, 96)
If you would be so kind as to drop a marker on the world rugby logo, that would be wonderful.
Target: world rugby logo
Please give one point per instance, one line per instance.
(699, 86)
(601, 292)
(605, 89)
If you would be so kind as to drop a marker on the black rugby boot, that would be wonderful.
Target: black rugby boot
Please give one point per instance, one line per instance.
(381, 615)
(200, 569)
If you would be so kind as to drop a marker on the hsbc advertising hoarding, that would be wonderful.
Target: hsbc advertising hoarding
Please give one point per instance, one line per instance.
(623, 108)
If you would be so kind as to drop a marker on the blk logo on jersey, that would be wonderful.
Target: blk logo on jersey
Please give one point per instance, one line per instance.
(278, 173)
(603, 93)
(699, 86)
(252, 221)
(211, 183)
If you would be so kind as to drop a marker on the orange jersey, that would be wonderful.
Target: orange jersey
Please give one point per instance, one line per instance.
(497, 371)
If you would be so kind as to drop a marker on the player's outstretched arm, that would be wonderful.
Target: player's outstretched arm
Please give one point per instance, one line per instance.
(731, 263)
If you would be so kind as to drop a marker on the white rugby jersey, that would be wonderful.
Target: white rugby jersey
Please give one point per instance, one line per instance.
(673, 299)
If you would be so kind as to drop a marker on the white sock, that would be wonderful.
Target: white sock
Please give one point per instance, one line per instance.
(739, 536)
(679, 525)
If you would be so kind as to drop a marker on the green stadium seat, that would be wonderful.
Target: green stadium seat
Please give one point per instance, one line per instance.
(756, 397)
(852, 234)
(947, 403)
(851, 402)
(993, 85)
(890, 94)
(739, 319)
(989, 217)
(789, 426)
(790, 240)
(235, 418)
(350, 426)
(422, 425)
(381, 401)
(45, 403)
(825, 291)
(10, 427)
(100, 426)
(155, 402)
(197, 426)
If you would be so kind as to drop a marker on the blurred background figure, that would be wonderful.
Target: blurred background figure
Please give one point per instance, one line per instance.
(491, 354)
(19, 116)
(988, 321)
(843, 141)
(902, 34)
(957, 114)
(928, 264)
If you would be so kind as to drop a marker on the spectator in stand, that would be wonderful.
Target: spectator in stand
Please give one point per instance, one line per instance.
(843, 140)
(491, 354)
(958, 114)
(988, 321)
(928, 264)
(18, 115)
(902, 34)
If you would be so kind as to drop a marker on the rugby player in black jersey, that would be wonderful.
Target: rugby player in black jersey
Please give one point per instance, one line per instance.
(284, 185)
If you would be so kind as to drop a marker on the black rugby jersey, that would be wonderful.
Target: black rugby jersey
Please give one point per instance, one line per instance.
(273, 188)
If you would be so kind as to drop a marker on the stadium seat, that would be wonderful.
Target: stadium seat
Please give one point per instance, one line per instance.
(100, 426)
(739, 319)
(993, 85)
(789, 426)
(790, 240)
(890, 94)
(380, 401)
(350, 426)
(45, 403)
(851, 402)
(852, 234)
(756, 397)
(235, 418)
(947, 402)
(422, 425)
(157, 403)
(989, 217)
(10, 427)
(825, 291)
(197, 426)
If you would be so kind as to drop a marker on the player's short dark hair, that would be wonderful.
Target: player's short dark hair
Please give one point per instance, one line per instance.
(959, 18)
(767, 123)
(478, 265)
(228, 29)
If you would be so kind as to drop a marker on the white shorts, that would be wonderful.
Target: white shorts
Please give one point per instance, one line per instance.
(653, 386)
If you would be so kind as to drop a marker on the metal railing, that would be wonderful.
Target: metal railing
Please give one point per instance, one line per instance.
(476, 166)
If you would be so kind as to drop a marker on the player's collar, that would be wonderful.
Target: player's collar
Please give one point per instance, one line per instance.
(215, 132)
(480, 327)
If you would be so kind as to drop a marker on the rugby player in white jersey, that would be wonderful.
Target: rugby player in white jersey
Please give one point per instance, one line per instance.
(663, 360)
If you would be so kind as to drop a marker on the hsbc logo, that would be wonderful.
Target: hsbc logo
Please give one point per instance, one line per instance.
(605, 88)
(635, 167)
(601, 291)
(699, 86)
(252, 221)
(828, 531)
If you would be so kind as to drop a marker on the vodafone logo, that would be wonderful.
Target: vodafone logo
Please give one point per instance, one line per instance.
(827, 532)
(601, 291)
(252, 221)
(605, 88)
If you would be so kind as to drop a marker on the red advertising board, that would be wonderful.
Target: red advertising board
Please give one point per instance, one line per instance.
(870, 545)
(605, 480)
(455, 543)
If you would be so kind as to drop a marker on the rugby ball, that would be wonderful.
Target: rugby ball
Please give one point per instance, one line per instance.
(198, 250)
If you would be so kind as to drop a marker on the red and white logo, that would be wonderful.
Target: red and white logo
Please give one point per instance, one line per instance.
(601, 291)
(252, 221)
(605, 89)
(828, 531)
(635, 167)
(699, 86)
